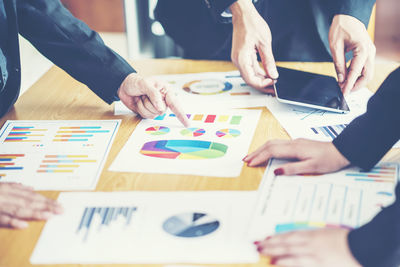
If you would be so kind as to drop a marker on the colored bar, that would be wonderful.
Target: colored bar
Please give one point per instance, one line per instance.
(160, 118)
(210, 118)
(236, 120)
(22, 134)
(2, 164)
(232, 76)
(86, 131)
(66, 156)
(70, 140)
(53, 171)
(11, 140)
(172, 115)
(11, 168)
(74, 135)
(372, 180)
(69, 161)
(198, 117)
(223, 118)
(26, 129)
(12, 155)
(5, 159)
(315, 131)
(368, 175)
(16, 138)
(82, 127)
(60, 166)
(243, 93)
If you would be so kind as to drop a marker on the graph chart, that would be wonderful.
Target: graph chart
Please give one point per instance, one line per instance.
(228, 133)
(330, 132)
(383, 173)
(191, 225)
(103, 217)
(157, 130)
(63, 163)
(207, 118)
(184, 149)
(78, 133)
(25, 134)
(207, 87)
(193, 132)
(8, 162)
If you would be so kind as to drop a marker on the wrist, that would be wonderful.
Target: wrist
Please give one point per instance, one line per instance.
(241, 7)
(341, 161)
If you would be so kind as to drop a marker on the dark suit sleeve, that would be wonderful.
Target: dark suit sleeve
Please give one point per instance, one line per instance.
(377, 243)
(217, 7)
(72, 45)
(367, 139)
(360, 9)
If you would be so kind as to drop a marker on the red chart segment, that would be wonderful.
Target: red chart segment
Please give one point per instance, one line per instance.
(193, 132)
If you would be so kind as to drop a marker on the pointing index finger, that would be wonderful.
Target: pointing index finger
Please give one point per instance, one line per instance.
(176, 108)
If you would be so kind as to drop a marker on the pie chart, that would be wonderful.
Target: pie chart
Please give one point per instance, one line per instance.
(207, 87)
(184, 149)
(228, 133)
(157, 130)
(190, 225)
(193, 132)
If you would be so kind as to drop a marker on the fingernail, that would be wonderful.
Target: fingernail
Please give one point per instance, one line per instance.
(256, 243)
(259, 249)
(278, 172)
(268, 237)
(275, 74)
(340, 78)
(244, 159)
(273, 261)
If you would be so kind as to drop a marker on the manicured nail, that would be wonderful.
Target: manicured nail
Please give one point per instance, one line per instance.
(268, 237)
(273, 261)
(278, 172)
(256, 243)
(244, 159)
(340, 78)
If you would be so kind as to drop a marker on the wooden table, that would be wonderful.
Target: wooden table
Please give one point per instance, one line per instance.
(56, 96)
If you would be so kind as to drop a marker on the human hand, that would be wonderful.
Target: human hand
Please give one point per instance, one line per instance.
(322, 248)
(349, 34)
(19, 204)
(251, 35)
(313, 156)
(149, 98)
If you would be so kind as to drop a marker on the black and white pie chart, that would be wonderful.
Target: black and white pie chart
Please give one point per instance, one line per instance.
(190, 225)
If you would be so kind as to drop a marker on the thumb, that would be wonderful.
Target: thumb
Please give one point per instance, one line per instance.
(339, 60)
(268, 61)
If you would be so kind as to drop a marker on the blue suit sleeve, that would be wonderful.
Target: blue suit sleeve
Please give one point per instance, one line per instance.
(73, 46)
(377, 243)
(360, 9)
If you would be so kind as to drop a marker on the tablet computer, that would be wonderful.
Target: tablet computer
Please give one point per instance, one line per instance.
(310, 90)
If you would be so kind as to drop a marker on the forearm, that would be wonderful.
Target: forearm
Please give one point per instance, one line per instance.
(366, 140)
(73, 46)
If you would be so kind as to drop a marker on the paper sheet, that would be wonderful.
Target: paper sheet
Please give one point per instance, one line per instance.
(55, 155)
(213, 145)
(148, 227)
(217, 89)
(348, 198)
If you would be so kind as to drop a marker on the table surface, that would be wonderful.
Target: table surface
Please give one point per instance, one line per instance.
(57, 96)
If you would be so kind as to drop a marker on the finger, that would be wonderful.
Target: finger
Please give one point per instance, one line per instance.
(141, 109)
(284, 250)
(339, 60)
(290, 238)
(33, 201)
(367, 74)
(268, 61)
(249, 76)
(156, 98)
(7, 221)
(308, 166)
(280, 151)
(25, 213)
(176, 108)
(296, 261)
(257, 68)
(354, 72)
(264, 147)
(149, 106)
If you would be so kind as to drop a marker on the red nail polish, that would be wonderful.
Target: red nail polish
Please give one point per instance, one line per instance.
(259, 249)
(268, 237)
(244, 159)
(256, 243)
(278, 172)
(273, 261)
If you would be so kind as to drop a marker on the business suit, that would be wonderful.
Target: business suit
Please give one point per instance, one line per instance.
(62, 38)
(203, 33)
(364, 142)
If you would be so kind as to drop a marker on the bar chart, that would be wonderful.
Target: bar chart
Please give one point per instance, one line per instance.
(63, 163)
(25, 134)
(329, 132)
(8, 162)
(78, 133)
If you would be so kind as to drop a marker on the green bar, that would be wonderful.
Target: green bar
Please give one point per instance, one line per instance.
(236, 120)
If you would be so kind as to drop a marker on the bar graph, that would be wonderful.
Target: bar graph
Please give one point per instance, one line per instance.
(329, 132)
(382, 173)
(78, 133)
(207, 118)
(63, 163)
(25, 134)
(7, 162)
(103, 217)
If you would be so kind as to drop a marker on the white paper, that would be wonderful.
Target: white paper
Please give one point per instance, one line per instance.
(216, 146)
(146, 230)
(348, 198)
(217, 89)
(55, 155)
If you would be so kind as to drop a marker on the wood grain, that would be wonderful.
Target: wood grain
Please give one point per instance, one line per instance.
(57, 96)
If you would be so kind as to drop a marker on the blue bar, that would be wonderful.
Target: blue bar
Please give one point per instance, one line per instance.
(160, 118)
(16, 138)
(11, 168)
(6, 159)
(315, 131)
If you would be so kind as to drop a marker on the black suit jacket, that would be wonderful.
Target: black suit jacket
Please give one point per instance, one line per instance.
(364, 142)
(299, 28)
(65, 40)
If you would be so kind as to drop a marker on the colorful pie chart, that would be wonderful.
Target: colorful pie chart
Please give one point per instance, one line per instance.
(157, 130)
(207, 87)
(184, 149)
(228, 133)
(193, 132)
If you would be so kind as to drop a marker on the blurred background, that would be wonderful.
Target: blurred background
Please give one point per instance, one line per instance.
(129, 27)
